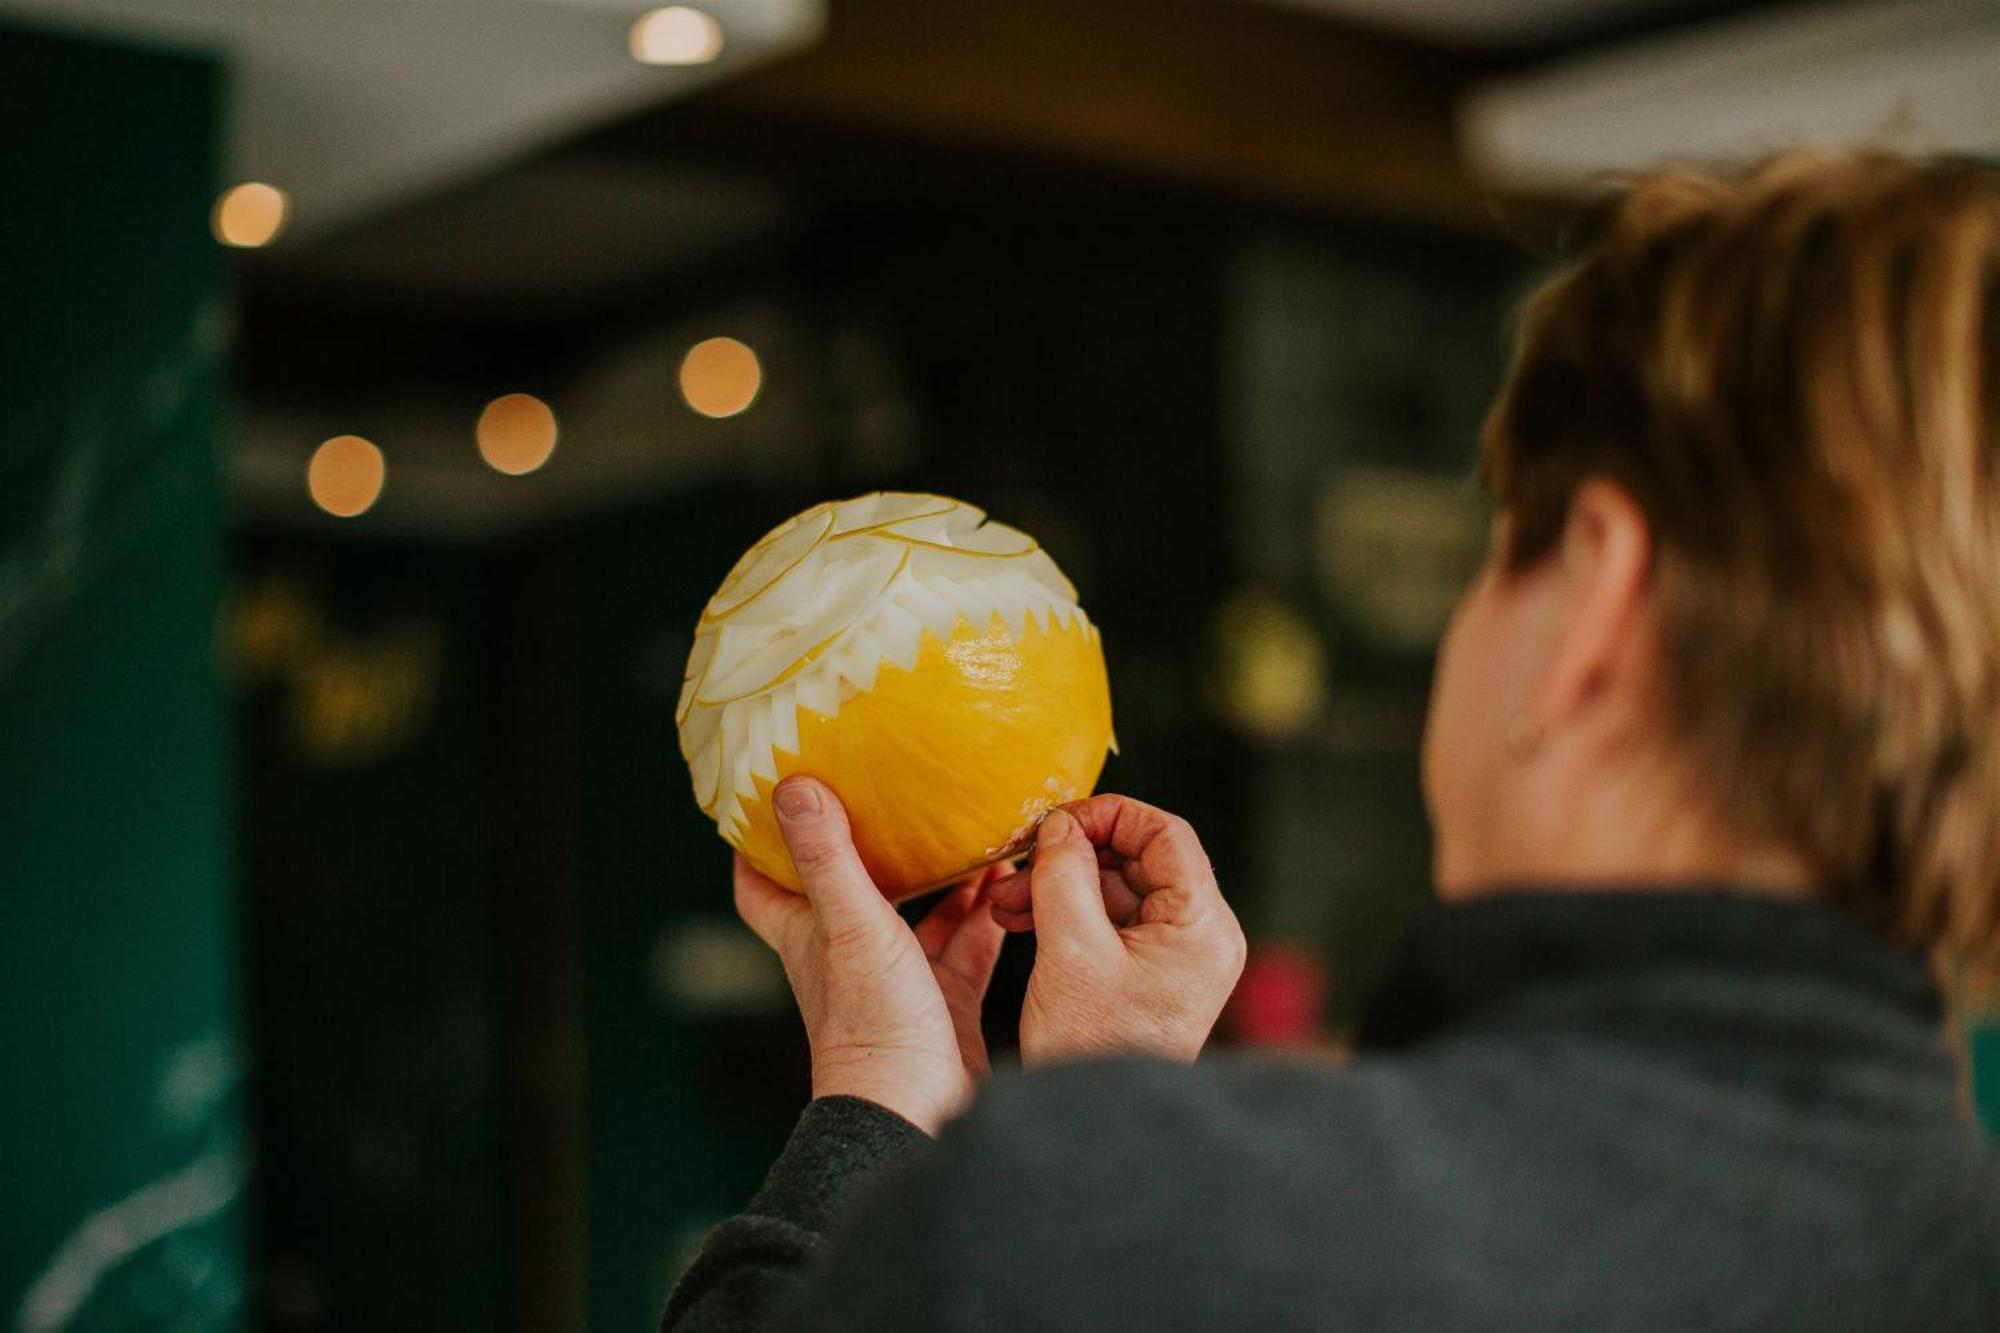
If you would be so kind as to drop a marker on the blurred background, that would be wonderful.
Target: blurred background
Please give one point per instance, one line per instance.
(388, 384)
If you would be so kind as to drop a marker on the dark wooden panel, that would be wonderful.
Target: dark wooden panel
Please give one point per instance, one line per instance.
(1250, 99)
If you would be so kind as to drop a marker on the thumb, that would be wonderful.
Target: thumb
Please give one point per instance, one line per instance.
(766, 907)
(1068, 899)
(836, 885)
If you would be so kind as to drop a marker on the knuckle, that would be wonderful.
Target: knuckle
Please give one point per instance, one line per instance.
(1069, 955)
(847, 935)
(809, 846)
(1076, 873)
(816, 861)
(1180, 833)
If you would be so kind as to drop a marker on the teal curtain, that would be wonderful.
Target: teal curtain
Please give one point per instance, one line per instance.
(119, 1137)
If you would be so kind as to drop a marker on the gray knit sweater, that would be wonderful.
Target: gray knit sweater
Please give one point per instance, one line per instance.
(1686, 1111)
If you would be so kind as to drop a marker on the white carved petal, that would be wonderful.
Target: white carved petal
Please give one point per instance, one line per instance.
(921, 601)
(997, 539)
(785, 719)
(973, 600)
(860, 659)
(856, 513)
(699, 657)
(901, 635)
(798, 619)
(763, 760)
(735, 730)
(929, 527)
(893, 513)
(1041, 567)
(779, 552)
(817, 690)
(1010, 599)
(701, 746)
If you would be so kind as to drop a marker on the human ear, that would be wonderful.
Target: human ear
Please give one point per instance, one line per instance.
(1604, 564)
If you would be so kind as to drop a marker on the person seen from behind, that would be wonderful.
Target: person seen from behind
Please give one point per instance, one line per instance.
(1713, 767)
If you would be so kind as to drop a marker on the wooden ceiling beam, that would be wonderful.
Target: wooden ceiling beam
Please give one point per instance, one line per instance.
(1251, 100)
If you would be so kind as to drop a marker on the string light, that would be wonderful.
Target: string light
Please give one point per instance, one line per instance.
(345, 476)
(516, 433)
(720, 377)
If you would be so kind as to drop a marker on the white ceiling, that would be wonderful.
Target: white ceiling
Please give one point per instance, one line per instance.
(352, 104)
(1914, 77)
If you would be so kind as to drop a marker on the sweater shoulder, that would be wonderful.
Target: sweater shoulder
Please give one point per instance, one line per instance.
(1130, 1193)
(1107, 1115)
(1271, 1082)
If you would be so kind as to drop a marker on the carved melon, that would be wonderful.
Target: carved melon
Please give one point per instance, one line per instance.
(931, 667)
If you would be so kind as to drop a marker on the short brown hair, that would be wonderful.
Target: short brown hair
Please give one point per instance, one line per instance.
(1795, 372)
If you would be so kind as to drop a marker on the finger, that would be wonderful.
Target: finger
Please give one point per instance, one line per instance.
(1164, 861)
(1068, 899)
(1014, 923)
(945, 917)
(765, 905)
(985, 875)
(1128, 828)
(1121, 901)
(1011, 891)
(982, 879)
(842, 896)
(1014, 893)
(974, 948)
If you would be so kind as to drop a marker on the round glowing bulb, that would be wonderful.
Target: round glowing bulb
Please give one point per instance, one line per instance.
(516, 433)
(345, 475)
(250, 215)
(720, 377)
(676, 35)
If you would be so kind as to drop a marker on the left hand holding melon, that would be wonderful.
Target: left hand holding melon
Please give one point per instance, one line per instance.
(891, 1013)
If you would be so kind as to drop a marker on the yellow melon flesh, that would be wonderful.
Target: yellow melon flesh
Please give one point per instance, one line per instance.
(947, 767)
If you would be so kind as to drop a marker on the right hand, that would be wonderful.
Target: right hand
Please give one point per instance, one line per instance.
(1135, 950)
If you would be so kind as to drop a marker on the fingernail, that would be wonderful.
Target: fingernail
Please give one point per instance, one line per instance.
(1055, 827)
(798, 798)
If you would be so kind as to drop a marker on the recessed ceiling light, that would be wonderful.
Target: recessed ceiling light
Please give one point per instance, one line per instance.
(676, 35)
(250, 215)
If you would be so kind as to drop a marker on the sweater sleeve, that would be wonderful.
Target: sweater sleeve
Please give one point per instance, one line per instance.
(748, 1263)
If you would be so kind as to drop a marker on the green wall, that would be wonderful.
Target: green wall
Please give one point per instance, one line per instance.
(1986, 1075)
(368, 854)
(117, 1132)
(682, 1110)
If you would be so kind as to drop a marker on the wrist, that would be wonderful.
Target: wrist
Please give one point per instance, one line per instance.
(924, 1096)
(1069, 1047)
